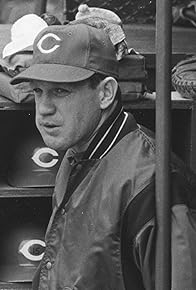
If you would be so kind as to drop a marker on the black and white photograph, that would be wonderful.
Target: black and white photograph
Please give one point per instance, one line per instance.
(97, 145)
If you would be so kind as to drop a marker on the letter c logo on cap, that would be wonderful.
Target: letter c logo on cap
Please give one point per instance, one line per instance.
(40, 42)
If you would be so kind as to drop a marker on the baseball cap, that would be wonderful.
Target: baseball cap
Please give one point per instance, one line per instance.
(23, 34)
(70, 53)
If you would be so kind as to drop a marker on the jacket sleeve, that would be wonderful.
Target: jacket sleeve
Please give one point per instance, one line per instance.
(144, 253)
(183, 247)
(183, 250)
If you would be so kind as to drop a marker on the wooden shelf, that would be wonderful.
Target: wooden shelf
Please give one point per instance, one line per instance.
(142, 38)
(6, 104)
(148, 102)
(7, 191)
(15, 286)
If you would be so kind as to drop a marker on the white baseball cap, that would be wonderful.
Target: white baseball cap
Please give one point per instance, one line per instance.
(23, 34)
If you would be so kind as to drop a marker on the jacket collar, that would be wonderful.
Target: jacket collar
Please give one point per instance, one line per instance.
(111, 131)
(117, 125)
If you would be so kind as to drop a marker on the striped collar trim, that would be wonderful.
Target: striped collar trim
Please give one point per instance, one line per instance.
(107, 134)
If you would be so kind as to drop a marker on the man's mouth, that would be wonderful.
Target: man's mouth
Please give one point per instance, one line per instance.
(48, 124)
(50, 128)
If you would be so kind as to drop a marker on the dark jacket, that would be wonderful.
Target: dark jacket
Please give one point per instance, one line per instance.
(101, 235)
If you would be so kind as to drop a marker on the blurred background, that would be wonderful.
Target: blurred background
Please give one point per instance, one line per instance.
(130, 11)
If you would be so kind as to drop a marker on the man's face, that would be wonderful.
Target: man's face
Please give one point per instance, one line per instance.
(66, 114)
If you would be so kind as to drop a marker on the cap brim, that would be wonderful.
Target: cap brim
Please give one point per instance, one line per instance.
(52, 73)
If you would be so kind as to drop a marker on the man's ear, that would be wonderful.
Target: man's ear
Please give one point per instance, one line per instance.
(108, 89)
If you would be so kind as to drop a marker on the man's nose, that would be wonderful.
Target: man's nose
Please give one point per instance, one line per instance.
(45, 106)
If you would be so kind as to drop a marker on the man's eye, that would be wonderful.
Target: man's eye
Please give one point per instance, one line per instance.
(61, 91)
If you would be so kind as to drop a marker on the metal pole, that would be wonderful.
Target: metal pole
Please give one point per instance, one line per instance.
(64, 11)
(40, 6)
(163, 124)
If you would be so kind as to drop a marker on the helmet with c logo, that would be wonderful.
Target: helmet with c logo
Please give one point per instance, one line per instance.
(22, 240)
(31, 163)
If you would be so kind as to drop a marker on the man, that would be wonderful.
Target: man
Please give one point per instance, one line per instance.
(101, 234)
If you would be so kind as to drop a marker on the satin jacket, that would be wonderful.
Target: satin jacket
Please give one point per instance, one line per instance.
(101, 235)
